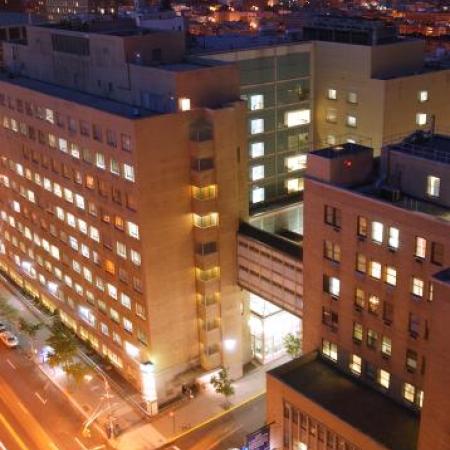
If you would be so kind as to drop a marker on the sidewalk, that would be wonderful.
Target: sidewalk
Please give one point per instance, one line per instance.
(137, 431)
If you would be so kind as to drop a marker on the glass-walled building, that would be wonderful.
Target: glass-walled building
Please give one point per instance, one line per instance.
(275, 83)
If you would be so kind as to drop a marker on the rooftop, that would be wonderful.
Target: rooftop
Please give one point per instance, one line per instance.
(406, 202)
(12, 18)
(88, 100)
(337, 151)
(360, 406)
(435, 147)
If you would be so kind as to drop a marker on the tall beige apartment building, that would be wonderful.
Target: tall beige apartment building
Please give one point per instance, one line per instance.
(121, 193)
(371, 87)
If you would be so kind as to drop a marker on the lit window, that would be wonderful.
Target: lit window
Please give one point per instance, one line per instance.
(333, 286)
(422, 96)
(331, 139)
(331, 115)
(74, 150)
(112, 290)
(121, 249)
(433, 186)
(409, 392)
(257, 172)
(128, 172)
(49, 115)
(104, 329)
(421, 247)
(384, 378)
(131, 349)
(114, 167)
(82, 226)
(133, 230)
(79, 201)
(386, 346)
(135, 257)
(125, 300)
(391, 275)
(71, 220)
(329, 349)
(375, 270)
(358, 332)
(377, 232)
(256, 126)
(184, 104)
(394, 237)
(355, 364)
(294, 185)
(258, 195)
(257, 149)
(209, 220)
(256, 102)
(114, 315)
(100, 160)
(421, 119)
(94, 234)
(351, 121)
(373, 304)
(362, 226)
(332, 94)
(297, 118)
(127, 325)
(297, 162)
(68, 195)
(62, 144)
(417, 286)
(352, 97)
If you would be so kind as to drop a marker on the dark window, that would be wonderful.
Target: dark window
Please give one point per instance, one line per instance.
(332, 216)
(372, 338)
(411, 360)
(70, 44)
(388, 313)
(206, 248)
(414, 325)
(330, 319)
(437, 253)
(202, 164)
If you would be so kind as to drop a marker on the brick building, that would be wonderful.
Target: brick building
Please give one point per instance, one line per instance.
(376, 298)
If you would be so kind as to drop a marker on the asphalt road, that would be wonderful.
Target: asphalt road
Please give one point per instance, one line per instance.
(226, 432)
(34, 415)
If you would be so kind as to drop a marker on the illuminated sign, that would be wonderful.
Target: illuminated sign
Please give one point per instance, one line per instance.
(259, 439)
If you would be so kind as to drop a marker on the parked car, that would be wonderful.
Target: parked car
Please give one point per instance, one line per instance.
(9, 339)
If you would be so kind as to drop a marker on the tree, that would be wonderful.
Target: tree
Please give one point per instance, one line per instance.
(292, 345)
(7, 311)
(30, 329)
(64, 351)
(222, 384)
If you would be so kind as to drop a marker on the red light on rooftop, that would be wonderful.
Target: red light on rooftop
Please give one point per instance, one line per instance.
(348, 163)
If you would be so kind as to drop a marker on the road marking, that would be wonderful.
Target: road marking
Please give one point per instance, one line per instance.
(81, 444)
(52, 445)
(13, 433)
(40, 398)
(10, 363)
(2, 447)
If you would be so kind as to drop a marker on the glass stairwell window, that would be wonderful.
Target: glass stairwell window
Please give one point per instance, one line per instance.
(209, 220)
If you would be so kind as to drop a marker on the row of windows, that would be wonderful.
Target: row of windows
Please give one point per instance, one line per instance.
(73, 125)
(74, 150)
(311, 432)
(84, 312)
(291, 163)
(69, 196)
(291, 119)
(352, 97)
(379, 233)
(410, 393)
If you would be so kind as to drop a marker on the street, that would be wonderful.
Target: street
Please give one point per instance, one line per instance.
(226, 432)
(34, 415)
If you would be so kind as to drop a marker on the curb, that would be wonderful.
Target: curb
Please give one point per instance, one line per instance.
(212, 419)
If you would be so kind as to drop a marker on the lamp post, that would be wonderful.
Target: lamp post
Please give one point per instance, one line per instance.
(172, 414)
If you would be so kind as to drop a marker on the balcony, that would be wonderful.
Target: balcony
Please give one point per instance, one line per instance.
(203, 178)
(204, 199)
(208, 312)
(206, 261)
